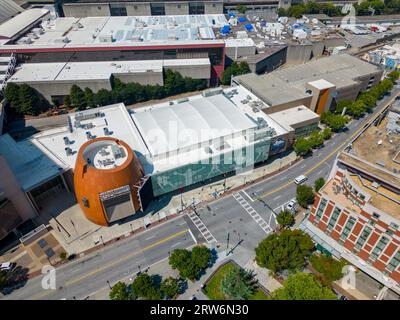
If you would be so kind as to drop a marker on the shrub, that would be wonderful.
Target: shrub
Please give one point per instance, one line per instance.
(305, 195)
(330, 268)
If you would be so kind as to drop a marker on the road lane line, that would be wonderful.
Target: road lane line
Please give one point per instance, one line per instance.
(334, 151)
(251, 199)
(68, 283)
(191, 233)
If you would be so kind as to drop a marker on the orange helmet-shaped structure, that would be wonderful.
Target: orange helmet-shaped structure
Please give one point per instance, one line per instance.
(107, 175)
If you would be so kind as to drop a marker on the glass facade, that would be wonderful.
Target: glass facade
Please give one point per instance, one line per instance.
(321, 209)
(363, 237)
(383, 241)
(394, 262)
(184, 176)
(334, 217)
(347, 228)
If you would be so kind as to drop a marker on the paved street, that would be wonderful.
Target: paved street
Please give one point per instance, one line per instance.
(87, 275)
(247, 217)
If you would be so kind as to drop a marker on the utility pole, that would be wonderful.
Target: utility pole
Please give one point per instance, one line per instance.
(227, 245)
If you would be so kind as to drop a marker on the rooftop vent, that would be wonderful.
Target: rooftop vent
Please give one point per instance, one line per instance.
(66, 141)
(68, 151)
(88, 135)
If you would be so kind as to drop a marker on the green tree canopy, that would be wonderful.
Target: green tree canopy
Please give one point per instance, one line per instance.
(77, 97)
(234, 69)
(326, 133)
(144, 287)
(304, 195)
(190, 264)
(330, 268)
(335, 121)
(303, 286)
(284, 251)
(285, 219)
(302, 146)
(318, 184)
(238, 284)
(119, 291)
(170, 287)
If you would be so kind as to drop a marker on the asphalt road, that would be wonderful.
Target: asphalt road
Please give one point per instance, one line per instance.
(242, 220)
(87, 275)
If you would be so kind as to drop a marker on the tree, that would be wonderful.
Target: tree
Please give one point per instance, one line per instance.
(67, 101)
(356, 109)
(170, 288)
(284, 251)
(3, 279)
(241, 8)
(394, 75)
(89, 98)
(119, 291)
(190, 264)
(341, 105)
(77, 97)
(315, 139)
(102, 97)
(335, 121)
(318, 184)
(11, 94)
(330, 268)
(144, 287)
(30, 102)
(327, 133)
(304, 195)
(303, 286)
(238, 284)
(368, 99)
(234, 70)
(302, 146)
(285, 219)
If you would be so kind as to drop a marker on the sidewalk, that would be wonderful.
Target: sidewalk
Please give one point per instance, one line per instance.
(77, 234)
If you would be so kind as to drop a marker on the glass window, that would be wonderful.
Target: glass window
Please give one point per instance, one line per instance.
(49, 252)
(394, 226)
(334, 217)
(375, 215)
(363, 237)
(42, 243)
(383, 241)
(321, 209)
(394, 262)
(347, 228)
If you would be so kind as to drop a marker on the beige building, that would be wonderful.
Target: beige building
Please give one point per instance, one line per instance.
(317, 84)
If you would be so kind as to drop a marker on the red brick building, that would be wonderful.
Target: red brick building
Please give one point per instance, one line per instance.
(356, 215)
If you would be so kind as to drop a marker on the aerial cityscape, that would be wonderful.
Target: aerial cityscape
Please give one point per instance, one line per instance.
(210, 150)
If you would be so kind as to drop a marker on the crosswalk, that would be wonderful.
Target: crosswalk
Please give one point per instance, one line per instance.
(253, 213)
(201, 227)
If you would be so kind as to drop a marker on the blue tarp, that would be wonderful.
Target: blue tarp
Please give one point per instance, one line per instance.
(225, 29)
(242, 19)
(231, 15)
(248, 27)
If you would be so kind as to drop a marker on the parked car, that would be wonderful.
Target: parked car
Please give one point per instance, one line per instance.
(300, 179)
(292, 206)
(7, 265)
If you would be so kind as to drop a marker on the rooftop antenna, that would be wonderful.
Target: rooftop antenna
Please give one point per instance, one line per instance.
(372, 10)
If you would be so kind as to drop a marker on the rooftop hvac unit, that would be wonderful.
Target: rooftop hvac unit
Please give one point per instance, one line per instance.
(212, 92)
(68, 151)
(105, 38)
(106, 132)
(88, 135)
(182, 100)
(66, 141)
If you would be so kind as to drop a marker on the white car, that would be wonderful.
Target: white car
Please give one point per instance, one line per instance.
(6, 266)
(292, 206)
(300, 179)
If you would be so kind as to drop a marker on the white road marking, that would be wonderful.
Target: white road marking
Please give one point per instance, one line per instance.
(283, 178)
(303, 166)
(194, 239)
(177, 244)
(208, 236)
(277, 197)
(253, 213)
(251, 199)
(148, 238)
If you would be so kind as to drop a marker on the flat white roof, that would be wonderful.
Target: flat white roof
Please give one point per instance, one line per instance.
(31, 164)
(98, 70)
(321, 84)
(246, 42)
(114, 31)
(165, 136)
(297, 115)
(113, 117)
(12, 27)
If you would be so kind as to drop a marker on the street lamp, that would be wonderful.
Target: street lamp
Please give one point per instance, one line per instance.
(169, 253)
(101, 237)
(139, 269)
(131, 226)
(109, 285)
